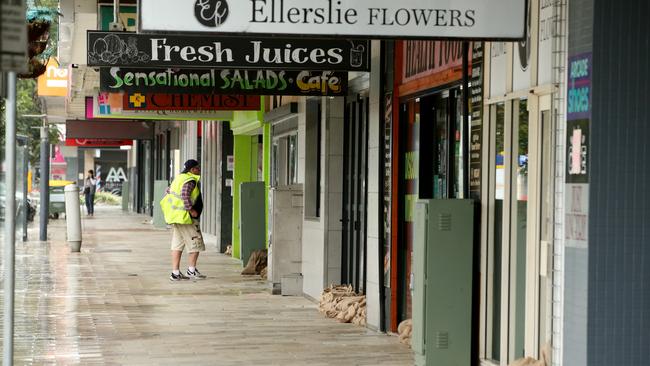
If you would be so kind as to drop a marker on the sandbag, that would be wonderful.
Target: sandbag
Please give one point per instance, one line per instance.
(405, 331)
(343, 304)
(256, 263)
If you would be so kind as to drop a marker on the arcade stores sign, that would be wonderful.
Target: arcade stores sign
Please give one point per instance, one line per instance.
(478, 19)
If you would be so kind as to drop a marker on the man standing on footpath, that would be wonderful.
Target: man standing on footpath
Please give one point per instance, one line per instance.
(182, 207)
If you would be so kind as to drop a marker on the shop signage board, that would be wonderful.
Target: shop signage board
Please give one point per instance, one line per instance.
(196, 51)
(226, 81)
(109, 129)
(13, 36)
(111, 106)
(476, 118)
(128, 16)
(494, 19)
(97, 142)
(190, 102)
(55, 81)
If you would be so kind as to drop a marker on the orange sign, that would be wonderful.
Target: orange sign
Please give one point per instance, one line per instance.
(55, 81)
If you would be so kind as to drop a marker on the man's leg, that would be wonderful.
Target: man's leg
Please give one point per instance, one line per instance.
(177, 251)
(193, 258)
(176, 260)
(197, 245)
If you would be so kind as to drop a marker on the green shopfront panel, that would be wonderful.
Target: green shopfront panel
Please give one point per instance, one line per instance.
(252, 218)
(443, 274)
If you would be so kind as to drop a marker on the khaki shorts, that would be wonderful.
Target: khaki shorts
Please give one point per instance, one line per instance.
(187, 236)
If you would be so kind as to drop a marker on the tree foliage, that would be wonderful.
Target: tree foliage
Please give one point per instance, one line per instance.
(27, 104)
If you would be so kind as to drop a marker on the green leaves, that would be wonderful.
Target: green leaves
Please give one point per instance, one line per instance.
(27, 104)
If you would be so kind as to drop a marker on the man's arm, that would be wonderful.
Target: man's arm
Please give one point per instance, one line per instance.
(186, 196)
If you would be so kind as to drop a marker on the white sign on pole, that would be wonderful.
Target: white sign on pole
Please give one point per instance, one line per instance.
(494, 19)
(13, 36)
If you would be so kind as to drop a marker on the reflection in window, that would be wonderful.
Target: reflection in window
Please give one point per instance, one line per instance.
(499, 194)
(520, 173)
(293, 159)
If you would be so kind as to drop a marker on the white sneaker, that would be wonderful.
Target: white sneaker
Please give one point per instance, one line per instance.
(179, 277)
(196, 275)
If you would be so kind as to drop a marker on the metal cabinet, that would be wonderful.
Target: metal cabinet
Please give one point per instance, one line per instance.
(443, 282)
(285, 247)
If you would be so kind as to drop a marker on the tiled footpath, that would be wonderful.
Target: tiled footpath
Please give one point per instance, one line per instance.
(113, 304)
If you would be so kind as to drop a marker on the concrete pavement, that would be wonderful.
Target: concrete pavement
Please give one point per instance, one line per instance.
(113, 304)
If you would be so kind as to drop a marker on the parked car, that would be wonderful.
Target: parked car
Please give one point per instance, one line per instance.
(31, 208)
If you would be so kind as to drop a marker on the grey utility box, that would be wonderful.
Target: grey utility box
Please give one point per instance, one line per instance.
(252, 218)
(285, 247)
(159, 188)
(443, 282)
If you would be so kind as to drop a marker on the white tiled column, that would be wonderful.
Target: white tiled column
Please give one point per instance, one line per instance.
(334, 115)
(374, 232)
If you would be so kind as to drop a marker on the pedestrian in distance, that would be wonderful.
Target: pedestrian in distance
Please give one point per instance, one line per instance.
(182, 207)
(89, 192)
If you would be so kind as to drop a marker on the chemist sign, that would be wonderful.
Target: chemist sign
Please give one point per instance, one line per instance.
(493, 19)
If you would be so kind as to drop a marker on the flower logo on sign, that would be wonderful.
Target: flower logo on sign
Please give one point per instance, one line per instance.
(138, 100)
(111, 49)
(211, 13)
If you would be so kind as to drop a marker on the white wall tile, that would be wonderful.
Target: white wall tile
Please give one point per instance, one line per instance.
(335, 176)
(373, 216)
(335, 210)
(313, 259)
(372, 305)
(372, 251)
(373, 170)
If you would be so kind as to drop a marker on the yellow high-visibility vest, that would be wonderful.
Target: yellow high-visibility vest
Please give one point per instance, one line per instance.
(172, 204)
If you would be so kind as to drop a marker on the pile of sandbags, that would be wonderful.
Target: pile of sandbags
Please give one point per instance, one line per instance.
(343, 304)
(405, 331)
(256, 263)
(265, 273)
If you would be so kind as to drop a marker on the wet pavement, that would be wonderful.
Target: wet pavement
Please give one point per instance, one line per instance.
(113, 304)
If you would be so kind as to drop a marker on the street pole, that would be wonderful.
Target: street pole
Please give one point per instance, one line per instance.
(25, 176)
(10, 220)
(45, 183)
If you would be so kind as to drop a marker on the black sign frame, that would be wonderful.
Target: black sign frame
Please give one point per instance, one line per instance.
(106, 49)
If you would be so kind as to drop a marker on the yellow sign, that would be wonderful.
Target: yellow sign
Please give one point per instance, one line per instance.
(55, 81)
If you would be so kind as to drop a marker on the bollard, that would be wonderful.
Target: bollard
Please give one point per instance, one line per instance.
(73, 217)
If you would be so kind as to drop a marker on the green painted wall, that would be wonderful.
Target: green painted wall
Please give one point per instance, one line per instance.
(246, 147)
(242, 173)
(267, 173)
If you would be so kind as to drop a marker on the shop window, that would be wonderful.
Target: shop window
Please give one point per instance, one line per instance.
(508, 247)
(313, 159)
(284, 160)
(293, 159)
(441, 145)
(497, 116)
(284, 152)
(520, 173)
(260, 158)
(274, 163)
